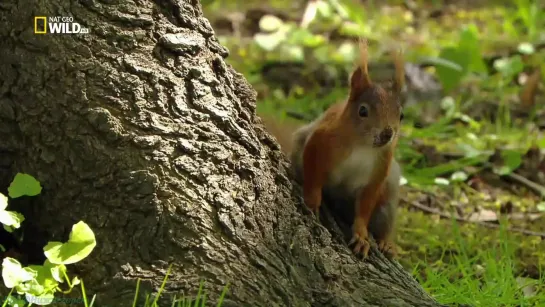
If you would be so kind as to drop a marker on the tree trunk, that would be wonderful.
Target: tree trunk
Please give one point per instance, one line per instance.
(140, 129)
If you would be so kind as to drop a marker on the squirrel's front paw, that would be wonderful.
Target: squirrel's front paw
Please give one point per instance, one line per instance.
(312, 202)
(360, 241)
(388, 248)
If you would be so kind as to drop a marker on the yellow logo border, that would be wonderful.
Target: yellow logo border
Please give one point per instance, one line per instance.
(36, 18)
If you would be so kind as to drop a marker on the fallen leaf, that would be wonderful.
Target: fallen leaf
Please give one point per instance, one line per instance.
(528, 286)
(483, 216)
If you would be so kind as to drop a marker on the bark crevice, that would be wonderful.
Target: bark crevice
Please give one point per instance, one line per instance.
(142, 130)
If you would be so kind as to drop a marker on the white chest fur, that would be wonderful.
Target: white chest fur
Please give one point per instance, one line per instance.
(355, 171)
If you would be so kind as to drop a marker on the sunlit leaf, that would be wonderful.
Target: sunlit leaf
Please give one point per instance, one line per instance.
(3, 201)
(526, 48)
(441, 181)
(11, 218)
(458, 176)
(80, 244)
(324, 9)
(14, 274)
(24, 184)
(270, 23)
(269, 41)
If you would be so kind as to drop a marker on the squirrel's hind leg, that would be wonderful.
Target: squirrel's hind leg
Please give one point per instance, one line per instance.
(382, 223)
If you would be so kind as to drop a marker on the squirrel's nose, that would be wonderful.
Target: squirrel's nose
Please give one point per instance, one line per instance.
(386, 134)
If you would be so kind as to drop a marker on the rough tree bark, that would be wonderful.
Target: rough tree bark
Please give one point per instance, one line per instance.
(142, 130)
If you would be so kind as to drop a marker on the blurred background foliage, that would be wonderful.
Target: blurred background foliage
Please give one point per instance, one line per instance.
(472, 148)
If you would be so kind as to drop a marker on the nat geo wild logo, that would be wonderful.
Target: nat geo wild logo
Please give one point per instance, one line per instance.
(57, 25)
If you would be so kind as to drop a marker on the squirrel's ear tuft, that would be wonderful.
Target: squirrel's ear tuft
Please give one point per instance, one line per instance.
(360, 80)
(399, 77)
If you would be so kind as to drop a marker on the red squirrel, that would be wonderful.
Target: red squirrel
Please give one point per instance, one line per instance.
(348, 152)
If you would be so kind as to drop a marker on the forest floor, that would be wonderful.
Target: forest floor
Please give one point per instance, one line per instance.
(471, 224)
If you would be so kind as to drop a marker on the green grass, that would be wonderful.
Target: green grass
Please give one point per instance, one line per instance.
(479, 277)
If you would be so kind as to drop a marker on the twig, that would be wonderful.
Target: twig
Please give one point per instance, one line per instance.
(539, 189)
(461, 219)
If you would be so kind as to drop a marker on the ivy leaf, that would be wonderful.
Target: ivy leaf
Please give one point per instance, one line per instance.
(57, 270)
(34, 288)
(14, 274)
(45, 277)
(24, 184)
(80, 244)
(11, 219)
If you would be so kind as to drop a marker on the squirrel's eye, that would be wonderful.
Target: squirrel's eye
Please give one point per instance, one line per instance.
(401, 116)
(363, 111)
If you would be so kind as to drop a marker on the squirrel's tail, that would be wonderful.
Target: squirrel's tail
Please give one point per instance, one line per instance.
(282, 130)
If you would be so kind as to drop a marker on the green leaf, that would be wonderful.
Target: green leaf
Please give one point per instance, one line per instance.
(541, 143)
(449, 77)
(306, 38)
(470, 44)
(75, 281)
(324, 9)
(292, 53)
(270, 23)
(347, 51)
(14, 274)
(57, 270)
(11, 218)
(80, 244)
(34, 287)
(24, 184)
(15, 301)
(541, 206)
(45, 277)
(349, 28)
(269, 41)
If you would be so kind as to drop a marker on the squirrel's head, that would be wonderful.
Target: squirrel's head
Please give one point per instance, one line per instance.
(375, 112)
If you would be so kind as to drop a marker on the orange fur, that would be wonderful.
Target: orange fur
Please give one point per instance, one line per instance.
(324, 149)
(340, 131)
